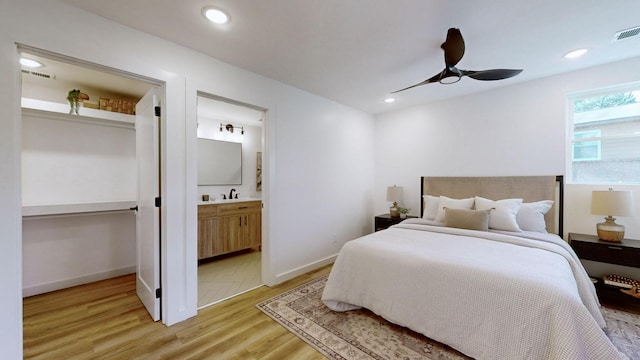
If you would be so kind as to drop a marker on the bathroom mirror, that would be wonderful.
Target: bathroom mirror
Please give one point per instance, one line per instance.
(219, 162)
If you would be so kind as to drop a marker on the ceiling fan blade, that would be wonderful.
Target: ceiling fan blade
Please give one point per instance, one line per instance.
(453, 47)
(434, 78)
(493, 74)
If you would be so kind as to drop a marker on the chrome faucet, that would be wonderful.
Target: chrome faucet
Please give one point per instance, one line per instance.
(231, 193)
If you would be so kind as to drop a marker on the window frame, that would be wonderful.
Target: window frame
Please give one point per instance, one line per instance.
(571, 98)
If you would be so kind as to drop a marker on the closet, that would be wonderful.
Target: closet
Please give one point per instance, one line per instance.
(79, 175)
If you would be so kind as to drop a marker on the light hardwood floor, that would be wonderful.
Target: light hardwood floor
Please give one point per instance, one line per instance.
(105, 320)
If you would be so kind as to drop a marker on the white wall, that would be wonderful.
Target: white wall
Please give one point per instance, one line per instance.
(66, 162)
(514, 130)
(64, 251)
(320, 154)
(10, 202)
(76, 162)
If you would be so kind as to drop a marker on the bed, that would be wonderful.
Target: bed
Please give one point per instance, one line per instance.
(463, 276)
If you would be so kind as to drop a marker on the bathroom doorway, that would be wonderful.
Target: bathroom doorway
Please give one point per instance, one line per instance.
(229, 182)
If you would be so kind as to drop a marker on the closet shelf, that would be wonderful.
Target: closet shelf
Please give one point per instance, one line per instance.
(60, 111)
(76, 209)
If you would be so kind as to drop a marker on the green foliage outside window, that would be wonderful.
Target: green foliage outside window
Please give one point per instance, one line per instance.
(603, 102)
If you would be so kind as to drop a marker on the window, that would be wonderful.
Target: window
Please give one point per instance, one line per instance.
(604, 136)
(584, 147)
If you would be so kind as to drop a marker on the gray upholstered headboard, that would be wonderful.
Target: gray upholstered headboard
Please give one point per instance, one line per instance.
(529, 188)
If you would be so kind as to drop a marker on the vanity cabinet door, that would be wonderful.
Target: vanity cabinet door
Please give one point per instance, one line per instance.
(253, 230)
(208, 227)
(231, 233)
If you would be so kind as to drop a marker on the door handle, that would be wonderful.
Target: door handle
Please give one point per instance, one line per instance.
(135, 208)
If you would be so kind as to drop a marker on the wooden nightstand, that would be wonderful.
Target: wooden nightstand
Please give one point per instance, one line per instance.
(384, 221)
(626, 253)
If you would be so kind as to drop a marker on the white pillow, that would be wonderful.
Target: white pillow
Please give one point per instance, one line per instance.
(430, 206)
(503, 212)
(531, 215)
(445, 202)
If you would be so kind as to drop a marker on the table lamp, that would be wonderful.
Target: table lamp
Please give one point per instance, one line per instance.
(610, 203)
(394, 194)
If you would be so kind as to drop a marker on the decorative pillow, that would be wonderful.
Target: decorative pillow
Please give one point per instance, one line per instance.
(467, 219)
(503, 213)
(430, 206)
(531, 215)
(464, 204)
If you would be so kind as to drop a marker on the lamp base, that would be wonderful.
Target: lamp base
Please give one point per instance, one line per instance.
(609, 230)
(393, 210)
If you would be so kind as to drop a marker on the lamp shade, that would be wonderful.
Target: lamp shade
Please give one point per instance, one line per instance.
(610, 202)
(394, 193)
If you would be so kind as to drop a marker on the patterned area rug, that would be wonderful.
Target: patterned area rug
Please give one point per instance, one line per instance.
(360, 334)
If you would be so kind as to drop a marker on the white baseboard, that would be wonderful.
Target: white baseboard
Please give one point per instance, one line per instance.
(85, 279)
(280, 278)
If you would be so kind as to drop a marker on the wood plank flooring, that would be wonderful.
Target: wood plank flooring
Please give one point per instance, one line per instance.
(105, 320)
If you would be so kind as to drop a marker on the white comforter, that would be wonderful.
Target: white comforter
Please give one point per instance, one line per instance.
(489, 295)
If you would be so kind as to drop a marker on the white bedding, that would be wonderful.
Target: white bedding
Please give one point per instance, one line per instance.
(494, 297)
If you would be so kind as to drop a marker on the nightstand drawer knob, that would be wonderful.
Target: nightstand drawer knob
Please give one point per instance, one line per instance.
(614, 247)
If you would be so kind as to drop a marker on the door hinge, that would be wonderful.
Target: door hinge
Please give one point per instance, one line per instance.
(158, 202)
(158, 293)
(157, 110)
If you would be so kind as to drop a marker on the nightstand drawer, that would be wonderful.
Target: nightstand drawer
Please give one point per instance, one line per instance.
(612, 253)
(384, 221)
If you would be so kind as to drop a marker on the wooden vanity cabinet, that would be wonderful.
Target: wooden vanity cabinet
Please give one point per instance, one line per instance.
(225, 228)
(208, 225)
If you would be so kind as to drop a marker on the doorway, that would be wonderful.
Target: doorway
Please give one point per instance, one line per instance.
(222, 125)
(80, 175)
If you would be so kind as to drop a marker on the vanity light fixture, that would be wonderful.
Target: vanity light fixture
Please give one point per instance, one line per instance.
(30, 63)
(230, 128)
(215, 15)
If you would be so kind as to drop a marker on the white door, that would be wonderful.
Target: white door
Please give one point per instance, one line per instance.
(148, 215)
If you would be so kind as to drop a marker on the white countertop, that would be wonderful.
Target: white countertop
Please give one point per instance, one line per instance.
(220, 201)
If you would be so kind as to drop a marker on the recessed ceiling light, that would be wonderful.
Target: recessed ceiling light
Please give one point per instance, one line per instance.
(389, 100)
(214, 15)
(30, 63)
(575, 54)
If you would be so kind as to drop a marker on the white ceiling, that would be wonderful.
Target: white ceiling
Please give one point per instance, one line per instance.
(357, 51)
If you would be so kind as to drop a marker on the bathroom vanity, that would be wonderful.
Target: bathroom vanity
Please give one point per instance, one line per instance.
(227, 226)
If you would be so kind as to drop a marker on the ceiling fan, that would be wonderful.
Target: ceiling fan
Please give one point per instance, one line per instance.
(453, 51)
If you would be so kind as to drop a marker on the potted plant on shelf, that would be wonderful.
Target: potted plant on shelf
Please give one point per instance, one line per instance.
(75, 97)
(403, 212)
